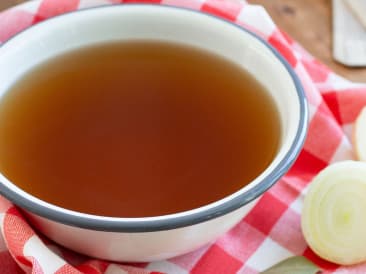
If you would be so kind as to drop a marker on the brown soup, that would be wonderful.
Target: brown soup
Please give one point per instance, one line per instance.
(135, 129)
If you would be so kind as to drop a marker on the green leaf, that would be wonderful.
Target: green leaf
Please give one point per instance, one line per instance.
(293, 265)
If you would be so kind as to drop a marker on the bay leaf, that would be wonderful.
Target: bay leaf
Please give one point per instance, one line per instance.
(293, 265)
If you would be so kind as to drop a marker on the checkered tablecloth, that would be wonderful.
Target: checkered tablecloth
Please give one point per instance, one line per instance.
(271, 231)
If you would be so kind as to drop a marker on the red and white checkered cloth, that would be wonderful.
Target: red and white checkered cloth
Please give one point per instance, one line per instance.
(271, 231)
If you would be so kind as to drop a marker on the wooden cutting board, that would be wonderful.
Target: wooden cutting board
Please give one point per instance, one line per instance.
(349, 32)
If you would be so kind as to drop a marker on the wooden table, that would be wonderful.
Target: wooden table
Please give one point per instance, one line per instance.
(308, 22)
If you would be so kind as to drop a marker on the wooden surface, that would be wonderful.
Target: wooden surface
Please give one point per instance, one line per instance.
(308, 22)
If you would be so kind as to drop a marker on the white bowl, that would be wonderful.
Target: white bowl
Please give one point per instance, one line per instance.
(155, 238)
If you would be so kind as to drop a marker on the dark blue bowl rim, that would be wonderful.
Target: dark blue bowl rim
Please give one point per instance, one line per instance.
(135, 225)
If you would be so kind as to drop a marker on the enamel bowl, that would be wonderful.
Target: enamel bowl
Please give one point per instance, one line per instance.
(160, 237)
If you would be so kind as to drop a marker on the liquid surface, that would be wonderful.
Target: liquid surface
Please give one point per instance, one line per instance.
(134, 129)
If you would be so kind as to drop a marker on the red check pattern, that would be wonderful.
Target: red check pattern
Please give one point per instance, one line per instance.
(271, 231)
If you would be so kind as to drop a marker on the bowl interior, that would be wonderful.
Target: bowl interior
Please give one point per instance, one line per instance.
(103, 24)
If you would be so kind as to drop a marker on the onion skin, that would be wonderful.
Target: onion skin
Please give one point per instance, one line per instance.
(359, 135)
(334, 213)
